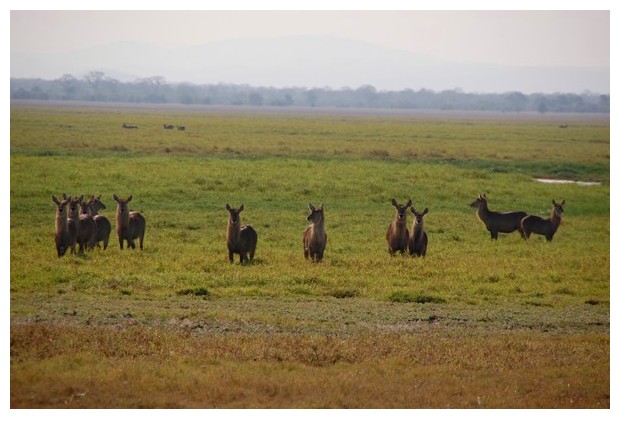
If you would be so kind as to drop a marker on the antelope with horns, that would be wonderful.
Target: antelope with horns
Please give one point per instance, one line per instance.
(129, 224)
(315, 238)
(418, 240)
(104, 228)
(497, 222)
(240, 239)
(86, 229)
(547, 227)
(397, 235)
(65, 234)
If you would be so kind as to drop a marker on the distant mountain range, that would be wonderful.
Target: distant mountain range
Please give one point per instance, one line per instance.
(305, 62)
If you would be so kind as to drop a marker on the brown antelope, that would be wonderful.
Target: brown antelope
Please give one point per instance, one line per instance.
(104, 228)
(547, 227)
(497, 222)
(129, 125)
(181, 127)
(65, 233)
(315, 238)
(86, 229)
(397, 235)
(240, 239)
(168, 126)
(418, 240)
(129, 224)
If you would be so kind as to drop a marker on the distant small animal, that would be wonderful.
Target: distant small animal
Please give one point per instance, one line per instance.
(129, 224)
(168, 126)
(65, 232)
(547, 227)
(240, 239)
(315, 238)
(104, 228)
(418, 240)
(496, 222)
(129, 125)
(181, 127)
(397, 235)
(564, 126)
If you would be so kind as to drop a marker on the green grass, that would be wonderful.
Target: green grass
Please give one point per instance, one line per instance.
(275, 165)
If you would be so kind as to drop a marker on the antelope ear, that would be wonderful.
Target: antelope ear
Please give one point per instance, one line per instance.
(425, 211)
(227, 206)
(563, 202)
(321, 207)
(409, 203)
(553, 202)
(129, 198)
(394, 203)
(412, 209)
(311, 207)
(79, 200)
(241, 207)
(115, 198)
(55, 200)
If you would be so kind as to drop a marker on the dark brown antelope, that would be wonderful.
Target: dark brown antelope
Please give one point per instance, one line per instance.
(240, 239)
(129, 224)
(315, 238)
(497, 222)
(397, 235)
(86, 229)
(418, 240)
(104, 228)
(65, 233)
(547, 227)
(168, 126)
(181, 127)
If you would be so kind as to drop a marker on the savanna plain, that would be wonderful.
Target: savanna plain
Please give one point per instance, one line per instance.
(477, 323)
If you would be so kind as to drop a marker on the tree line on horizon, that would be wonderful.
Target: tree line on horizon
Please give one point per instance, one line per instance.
(96, 86)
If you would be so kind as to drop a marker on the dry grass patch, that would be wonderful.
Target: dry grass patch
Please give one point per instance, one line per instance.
(75, 367)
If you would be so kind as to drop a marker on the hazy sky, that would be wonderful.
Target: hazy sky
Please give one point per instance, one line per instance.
(530, 38)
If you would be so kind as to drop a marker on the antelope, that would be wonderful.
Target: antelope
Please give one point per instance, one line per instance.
(129, 224)
(168, 126)
(181, 127)
(129, 126)
(418, 240)
(104, 227)
(65, 234)
(240, 239)
(497, 222)
(315, 238)
(547, 227)
(86, 229)
(397, 235)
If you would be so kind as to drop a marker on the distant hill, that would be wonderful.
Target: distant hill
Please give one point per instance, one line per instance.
(305, 62)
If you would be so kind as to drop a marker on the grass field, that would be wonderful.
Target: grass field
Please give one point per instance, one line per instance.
(475, 324)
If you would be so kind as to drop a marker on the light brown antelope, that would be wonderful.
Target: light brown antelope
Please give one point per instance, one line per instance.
(65, 232)
(418, 240)
(397, 235)
(104, 228)
(547, 227)
(240, 239)
(497, 222)
(86, 229)
(315, 238)
(129, 224)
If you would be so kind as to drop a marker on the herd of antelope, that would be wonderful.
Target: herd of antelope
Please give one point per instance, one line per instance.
(78, 222)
